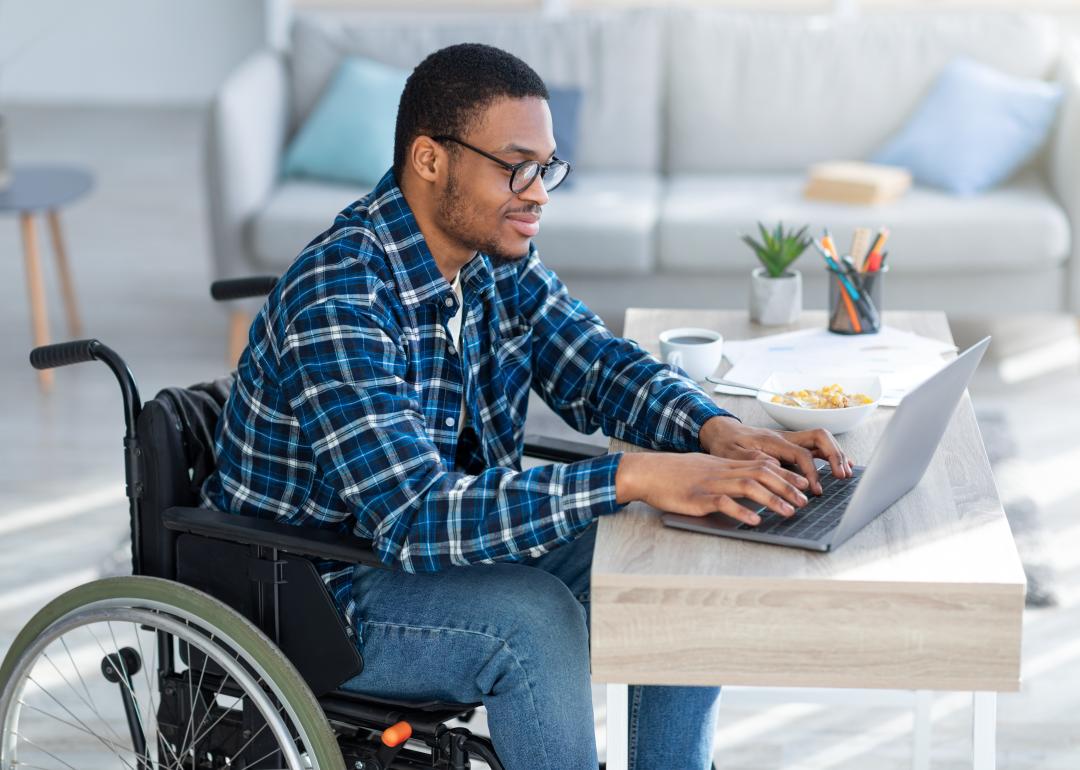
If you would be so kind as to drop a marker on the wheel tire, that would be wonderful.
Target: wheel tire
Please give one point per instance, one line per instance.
(155, 593)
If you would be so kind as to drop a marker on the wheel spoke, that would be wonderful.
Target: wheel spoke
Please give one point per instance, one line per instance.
(67, 711)
(88, 704)
(115, 748)
(43, 750)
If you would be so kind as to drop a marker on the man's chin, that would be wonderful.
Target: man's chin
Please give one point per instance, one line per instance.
(501, 254)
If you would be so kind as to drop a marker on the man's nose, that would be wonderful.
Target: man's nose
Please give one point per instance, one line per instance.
(536, 192)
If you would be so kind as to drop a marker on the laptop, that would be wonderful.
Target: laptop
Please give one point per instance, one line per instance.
(847, 505)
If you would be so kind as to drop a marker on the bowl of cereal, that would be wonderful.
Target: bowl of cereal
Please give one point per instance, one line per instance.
(801, 401)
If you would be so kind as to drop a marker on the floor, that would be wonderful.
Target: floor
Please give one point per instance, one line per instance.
(138, 246)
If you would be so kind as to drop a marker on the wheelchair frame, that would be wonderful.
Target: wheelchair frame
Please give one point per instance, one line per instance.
(263, 570)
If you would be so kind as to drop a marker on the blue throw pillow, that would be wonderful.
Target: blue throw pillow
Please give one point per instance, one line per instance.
(349, 136)
(565, 106)
(974, 128)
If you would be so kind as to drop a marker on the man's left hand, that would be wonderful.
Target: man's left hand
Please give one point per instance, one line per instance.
(726, 437)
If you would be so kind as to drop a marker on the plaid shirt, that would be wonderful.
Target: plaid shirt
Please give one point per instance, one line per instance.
(344, 409)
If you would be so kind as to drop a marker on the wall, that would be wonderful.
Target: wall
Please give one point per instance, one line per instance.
(123, 51)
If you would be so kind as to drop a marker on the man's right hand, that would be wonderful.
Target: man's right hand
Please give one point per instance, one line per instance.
(698, 484)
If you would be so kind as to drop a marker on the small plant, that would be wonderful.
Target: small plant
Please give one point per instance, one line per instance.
(779, 249)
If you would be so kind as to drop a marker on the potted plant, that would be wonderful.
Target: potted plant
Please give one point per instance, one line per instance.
(775, 289)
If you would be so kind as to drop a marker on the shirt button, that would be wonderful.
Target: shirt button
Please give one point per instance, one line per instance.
(449, 422)
(390, 284)
(451, 350)
(449, 302)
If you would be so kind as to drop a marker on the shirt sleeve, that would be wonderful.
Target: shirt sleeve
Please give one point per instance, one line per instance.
(594, 379)
(344, 374)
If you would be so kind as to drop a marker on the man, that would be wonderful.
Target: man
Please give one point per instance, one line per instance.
(384, 391)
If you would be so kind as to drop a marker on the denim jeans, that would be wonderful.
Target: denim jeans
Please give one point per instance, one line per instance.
(515, 636)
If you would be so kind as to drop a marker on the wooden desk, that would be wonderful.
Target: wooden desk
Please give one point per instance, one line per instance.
(929, 596)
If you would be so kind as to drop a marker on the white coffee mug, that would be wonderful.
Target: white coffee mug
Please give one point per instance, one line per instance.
(696, 351)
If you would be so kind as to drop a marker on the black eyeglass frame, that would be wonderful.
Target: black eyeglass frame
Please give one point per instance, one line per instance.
(514, 168)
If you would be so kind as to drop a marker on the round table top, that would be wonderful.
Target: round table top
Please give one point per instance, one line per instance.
(34, 188)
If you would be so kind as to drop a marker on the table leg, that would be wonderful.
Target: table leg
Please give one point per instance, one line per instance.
(983, 732)
(618, 727)
(36, 289)
(66, 284)
(920, 758)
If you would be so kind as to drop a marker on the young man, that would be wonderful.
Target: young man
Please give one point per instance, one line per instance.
(384, 392)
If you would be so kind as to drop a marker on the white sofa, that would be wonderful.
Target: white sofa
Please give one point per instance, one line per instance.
(695, 124)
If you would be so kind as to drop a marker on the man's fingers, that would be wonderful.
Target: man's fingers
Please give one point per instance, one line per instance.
(795, 454)
(727, 506)
(782, 483)
(824, 446)
(762, 495)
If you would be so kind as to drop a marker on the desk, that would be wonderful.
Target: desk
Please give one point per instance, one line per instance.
(45, 189)
(929, 596)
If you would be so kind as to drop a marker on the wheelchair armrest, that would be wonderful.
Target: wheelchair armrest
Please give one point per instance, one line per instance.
(303, 541)
(560, 450)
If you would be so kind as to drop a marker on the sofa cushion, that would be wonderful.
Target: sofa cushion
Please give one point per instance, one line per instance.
(776, 91)
(604, 225)
(1013, 227)
(974, 128)
(297, 211)
(611, 56)
(349, 136)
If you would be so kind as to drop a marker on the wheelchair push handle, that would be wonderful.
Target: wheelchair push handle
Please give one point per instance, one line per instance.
(64, 354)
(242, 288)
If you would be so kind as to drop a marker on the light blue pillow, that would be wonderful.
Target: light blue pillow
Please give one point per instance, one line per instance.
(974, 128)
(349, 136)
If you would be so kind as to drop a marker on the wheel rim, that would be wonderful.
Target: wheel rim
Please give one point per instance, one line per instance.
(73, 709)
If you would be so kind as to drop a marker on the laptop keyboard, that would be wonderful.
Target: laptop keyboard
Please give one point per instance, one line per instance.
(818, 517)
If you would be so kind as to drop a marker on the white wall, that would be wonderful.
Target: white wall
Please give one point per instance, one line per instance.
(123, 51)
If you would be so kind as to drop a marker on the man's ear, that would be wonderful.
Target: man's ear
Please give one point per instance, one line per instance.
(427, 158)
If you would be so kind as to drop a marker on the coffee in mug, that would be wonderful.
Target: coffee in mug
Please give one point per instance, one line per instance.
(696, 351)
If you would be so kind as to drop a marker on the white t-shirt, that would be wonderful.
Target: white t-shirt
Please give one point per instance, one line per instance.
(454, 325)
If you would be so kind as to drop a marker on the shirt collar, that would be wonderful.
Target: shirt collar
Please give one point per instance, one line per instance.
(418, 277)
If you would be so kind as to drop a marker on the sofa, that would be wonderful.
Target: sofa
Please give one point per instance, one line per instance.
(695, 124)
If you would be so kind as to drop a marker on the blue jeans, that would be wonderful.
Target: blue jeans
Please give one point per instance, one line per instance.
(515, 637)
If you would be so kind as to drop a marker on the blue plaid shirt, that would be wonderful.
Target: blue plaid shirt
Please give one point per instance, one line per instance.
(344, 410)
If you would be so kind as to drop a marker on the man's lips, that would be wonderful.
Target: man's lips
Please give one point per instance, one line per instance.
(526, 224)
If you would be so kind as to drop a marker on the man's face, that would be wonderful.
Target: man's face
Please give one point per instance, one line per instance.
(476, 206)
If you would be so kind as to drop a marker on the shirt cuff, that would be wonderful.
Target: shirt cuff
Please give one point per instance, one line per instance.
(699, 411)
(589, 488)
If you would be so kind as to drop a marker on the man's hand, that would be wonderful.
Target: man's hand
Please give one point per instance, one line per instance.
(725, 437)
(698, 484)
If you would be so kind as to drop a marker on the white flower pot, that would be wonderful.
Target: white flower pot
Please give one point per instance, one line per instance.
(5, 168)
(775, 301)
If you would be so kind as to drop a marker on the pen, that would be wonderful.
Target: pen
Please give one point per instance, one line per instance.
(845, 288)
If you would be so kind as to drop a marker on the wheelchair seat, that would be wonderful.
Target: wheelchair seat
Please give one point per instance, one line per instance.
(241, 650)
(270, 579)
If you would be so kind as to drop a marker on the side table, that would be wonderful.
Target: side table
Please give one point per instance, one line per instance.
(45, 189)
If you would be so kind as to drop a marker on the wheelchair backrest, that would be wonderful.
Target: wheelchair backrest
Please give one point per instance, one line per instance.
(176, 432)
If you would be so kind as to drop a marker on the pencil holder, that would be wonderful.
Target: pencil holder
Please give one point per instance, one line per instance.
(861, 315)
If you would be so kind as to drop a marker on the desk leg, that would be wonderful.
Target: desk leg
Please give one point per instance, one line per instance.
(618, 727)
(983, 730)
(924, 702)
(35, 284)
(66, 284)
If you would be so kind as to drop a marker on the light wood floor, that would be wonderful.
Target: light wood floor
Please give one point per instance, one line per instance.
(139, 254)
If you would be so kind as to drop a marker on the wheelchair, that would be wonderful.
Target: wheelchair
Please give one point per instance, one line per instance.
(223, 648)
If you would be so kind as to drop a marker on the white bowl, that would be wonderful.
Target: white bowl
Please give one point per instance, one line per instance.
(835, 421)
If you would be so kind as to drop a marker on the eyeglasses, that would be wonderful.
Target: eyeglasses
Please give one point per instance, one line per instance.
(525, 173)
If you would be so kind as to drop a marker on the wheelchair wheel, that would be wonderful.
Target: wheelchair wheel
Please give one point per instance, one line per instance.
(139, 673)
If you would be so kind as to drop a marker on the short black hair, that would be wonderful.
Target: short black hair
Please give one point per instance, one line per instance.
(449, 90)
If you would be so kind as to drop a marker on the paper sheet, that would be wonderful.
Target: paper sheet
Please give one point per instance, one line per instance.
(902, 359)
